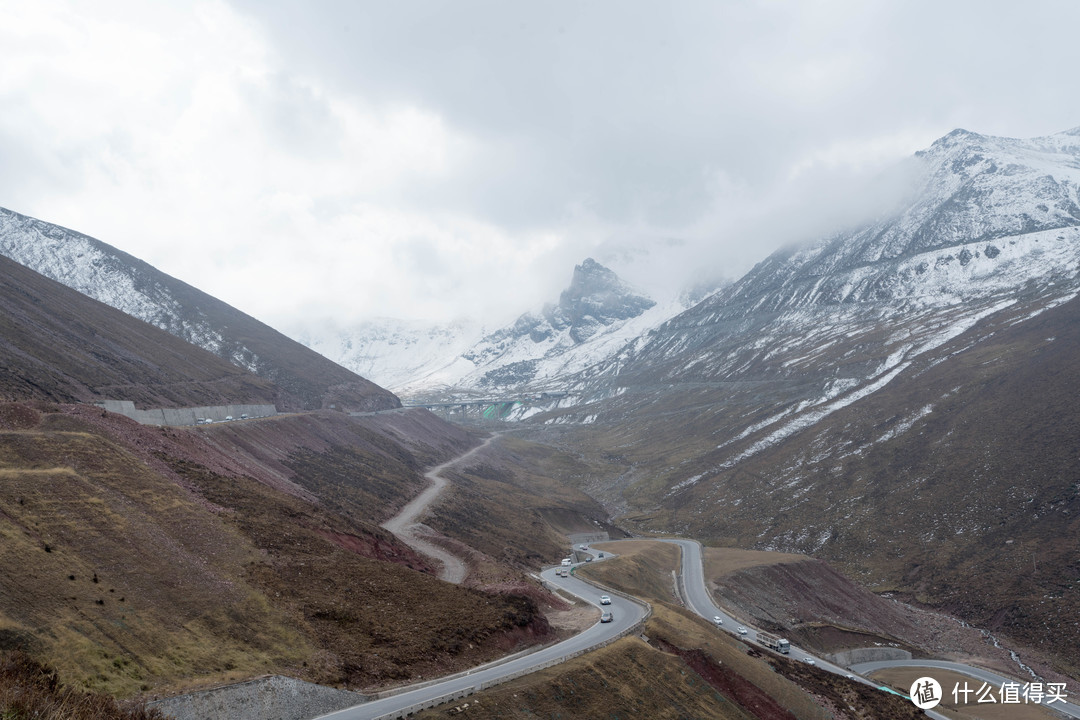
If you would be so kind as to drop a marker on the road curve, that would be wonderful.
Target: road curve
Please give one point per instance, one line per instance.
(700, 601)
(406, 527)
(627, 614)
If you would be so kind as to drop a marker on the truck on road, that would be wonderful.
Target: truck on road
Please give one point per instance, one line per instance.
(779, 644)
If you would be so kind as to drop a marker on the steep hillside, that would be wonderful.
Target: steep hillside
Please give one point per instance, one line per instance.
(146, 559)
(63, 346)
(956, 484)
(305, 379)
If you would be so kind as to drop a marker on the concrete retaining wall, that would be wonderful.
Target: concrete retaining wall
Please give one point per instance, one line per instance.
(185, 416)
(586, 538)
(861, 655)
(270, 698)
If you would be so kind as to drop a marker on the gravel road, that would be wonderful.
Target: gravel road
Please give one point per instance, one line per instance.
(415, 534)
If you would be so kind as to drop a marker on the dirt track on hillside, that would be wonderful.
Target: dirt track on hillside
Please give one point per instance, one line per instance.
(414, 533)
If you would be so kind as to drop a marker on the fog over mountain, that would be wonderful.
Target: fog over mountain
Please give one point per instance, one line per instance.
(380, 160)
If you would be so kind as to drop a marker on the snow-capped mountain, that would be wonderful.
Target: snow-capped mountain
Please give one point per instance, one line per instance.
(126, 283)
(594, 313)
(394, 352)
(595, 316)
(994, 226)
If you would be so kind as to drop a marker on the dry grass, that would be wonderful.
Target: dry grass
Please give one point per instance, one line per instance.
(143, 560)
(374, 623)
(29, 689)
(627, 679)
(511, 503)
(95, 552)
(722, 561)
(642, 569)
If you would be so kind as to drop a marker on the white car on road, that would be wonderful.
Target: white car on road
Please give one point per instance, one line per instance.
(605, 600)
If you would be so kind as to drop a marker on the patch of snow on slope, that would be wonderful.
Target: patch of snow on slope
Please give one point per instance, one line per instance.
(903, 426)
(76, 260)
(1053, 303)
(684, 484)
(814, 416)
(393, 353)
(550, 359)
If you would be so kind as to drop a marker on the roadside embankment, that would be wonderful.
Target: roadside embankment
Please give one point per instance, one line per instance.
(278, 697)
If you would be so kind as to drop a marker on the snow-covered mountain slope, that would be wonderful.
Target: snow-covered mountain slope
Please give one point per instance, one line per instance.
(307, 380)
(395, 353)
(595, 317)
(974, 191)
(994, 224)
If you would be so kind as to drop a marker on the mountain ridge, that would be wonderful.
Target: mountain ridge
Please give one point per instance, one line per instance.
(62, 346)
(596, 314)
(98, 270)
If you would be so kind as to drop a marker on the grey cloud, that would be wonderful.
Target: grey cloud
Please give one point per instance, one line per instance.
(620, 107)
(625, 109)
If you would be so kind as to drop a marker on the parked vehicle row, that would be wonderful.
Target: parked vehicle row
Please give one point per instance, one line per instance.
(228, 418)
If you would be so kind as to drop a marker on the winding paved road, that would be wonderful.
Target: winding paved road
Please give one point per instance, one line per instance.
(627, 614)
(700, 601)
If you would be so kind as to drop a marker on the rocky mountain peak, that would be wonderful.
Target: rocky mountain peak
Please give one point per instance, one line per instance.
(596, 297)
(958, 136)
(973, 192)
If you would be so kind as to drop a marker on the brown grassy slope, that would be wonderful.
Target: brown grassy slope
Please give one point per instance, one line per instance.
(62, 346)
(628, 679)
(373, 622)
(29, 689)
(815, 606)
(643, 568)
(512, 503)
(147, 558)
(119, 577)
(721, 561)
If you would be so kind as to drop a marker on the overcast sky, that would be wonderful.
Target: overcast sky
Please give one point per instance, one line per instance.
(434, 160)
